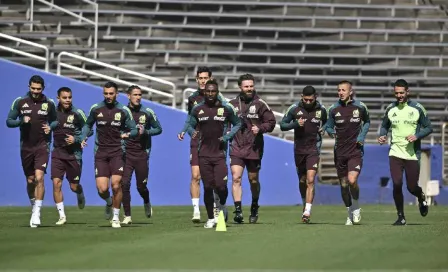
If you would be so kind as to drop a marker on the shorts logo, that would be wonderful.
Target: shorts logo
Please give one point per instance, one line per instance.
(77, 178)
(44, 106)
(225, 178)
(337, 114)
(100, 115)
(201, 112)
(315, 165)
(358, 167)
(145, 181)
(252, 109)
(70, 118)
(44, 165)
(318, 114)
(142, 119)
(117, 116)
(220, 112)
(120, 169)
(356, 113)
(96, 171)
(191, 157)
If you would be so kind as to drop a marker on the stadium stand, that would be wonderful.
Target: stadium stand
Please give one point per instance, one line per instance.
(286, 45)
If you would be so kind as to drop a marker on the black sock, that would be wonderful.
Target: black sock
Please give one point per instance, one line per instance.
(238, 205)
(255, 201)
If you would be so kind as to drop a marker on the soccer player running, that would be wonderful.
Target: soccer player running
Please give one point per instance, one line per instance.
(349, 122)
(138, 151)
(213, 116)
(111, 119)
(307, 118)
(66, 156)
(409, 124)
(246, 148)
(36, 118)
(203, 74)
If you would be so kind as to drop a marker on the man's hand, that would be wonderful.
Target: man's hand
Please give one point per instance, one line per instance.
(411, 138)
(70, 139)
(382, 140)
(301, 122)
(83, 144)
(321, 131)
(46, 128)
(141, 129)
(26, 119)
(255, 130)
(180, 136)
(125, 135)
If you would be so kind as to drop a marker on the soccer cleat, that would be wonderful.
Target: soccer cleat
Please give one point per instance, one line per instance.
(253, 214)
(148, 209)
(196, 218)
(238, 218)
(116, 224)
(306, 217)
(210, 223)
(61, 221)
(401, 221)
(349, 222)
(108, 212)
(423, 205)
(81, 200)
(357, 216)
(35, 220)
(127, 220)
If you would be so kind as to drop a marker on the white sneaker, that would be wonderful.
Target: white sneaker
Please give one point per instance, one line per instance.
(196, 217)
(209, 224)
(127, 220)
(116, 224)
(108, 212)
(61, 221)
(357, 215)
(349, 222)
(148, 209)
(81, 200)
(35, 220)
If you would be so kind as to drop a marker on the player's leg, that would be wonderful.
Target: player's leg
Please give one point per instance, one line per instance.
(312, 163)
(354, 169)
(57, 175)
(253, 170)
(141, 177)
(195, 189)
(126, 189)
(342, 172)
(220, 171)
(27, 160)
(116, 166)
(41, 157)
(74, 171)
(396, 167)
(102, 174)
(412, 170)
(300, 161)
(237, 168)
(206, 168)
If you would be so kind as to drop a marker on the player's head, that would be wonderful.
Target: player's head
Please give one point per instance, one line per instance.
(202, 76)
(246, 83)
(65, 97)
(345, 90)
(401, 90)
(211, 91)
(309, 96)
(110, 92)
(135, 95)
(37, 86)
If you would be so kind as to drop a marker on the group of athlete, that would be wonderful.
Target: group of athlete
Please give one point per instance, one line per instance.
(215, 125)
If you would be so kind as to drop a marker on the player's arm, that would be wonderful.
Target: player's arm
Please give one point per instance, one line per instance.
(267, 119)
(323, 116)
(88, 125)
(191, 123)
(329, 125)
(425, 124)
(130, 123)
(13, 114)
(366, 124)
(385, 123)
(153, 127)
(235, 121)
(80, 125)
(288, 121)
(52, 116)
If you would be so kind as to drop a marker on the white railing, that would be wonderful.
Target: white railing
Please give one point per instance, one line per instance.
(443, 149)
(119, 69)
(80, 17)
(45, 59)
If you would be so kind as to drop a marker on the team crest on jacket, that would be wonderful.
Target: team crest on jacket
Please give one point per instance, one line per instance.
(45, 106)
(252, 109)
(117, 116)
(356, 113)
(70, 118)
(220, 112)
(318, 114)
(142, 119)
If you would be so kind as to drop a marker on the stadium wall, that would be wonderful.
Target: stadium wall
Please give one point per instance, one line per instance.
(169, 164)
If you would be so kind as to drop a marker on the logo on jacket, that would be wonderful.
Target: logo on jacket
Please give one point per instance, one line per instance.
(70, 118)
(252, 109)
(117, 116)
(220, 112)
(45, 106)
(356, 113)
(142, 119)
(318, 114)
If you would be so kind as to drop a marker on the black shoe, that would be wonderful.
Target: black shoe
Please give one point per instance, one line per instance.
(238, 216)
(423, 206)
(253, 214)
(401, 221)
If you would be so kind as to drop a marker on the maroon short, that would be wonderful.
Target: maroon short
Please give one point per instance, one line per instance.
(213, 171)
(252, 165)
(35, 159)
(139, 165)
(106, 167)
(194, 156)
(70, 168)
(344, 165)
(305, 162)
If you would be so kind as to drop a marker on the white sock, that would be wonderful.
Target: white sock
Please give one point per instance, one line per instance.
(108, 201)
(195, 202)
(60, 207)
(37, 206)
(355, 204)
(116, 214)
(308, 207)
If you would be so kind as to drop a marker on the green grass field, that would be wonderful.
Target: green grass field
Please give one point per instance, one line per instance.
(279, 241)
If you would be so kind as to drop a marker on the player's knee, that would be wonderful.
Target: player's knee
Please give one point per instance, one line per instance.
(412, 189)
(141, 186)
(310, 182)
(74, 187)
(302, 179)
(57, 184)
(253, 178)
(39, 180)
(344, 182)
(125, 186)
(236, 179)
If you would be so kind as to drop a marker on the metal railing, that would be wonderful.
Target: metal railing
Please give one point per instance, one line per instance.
(80, 17)
(45, 59)
(444, 176)
(119, 69)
